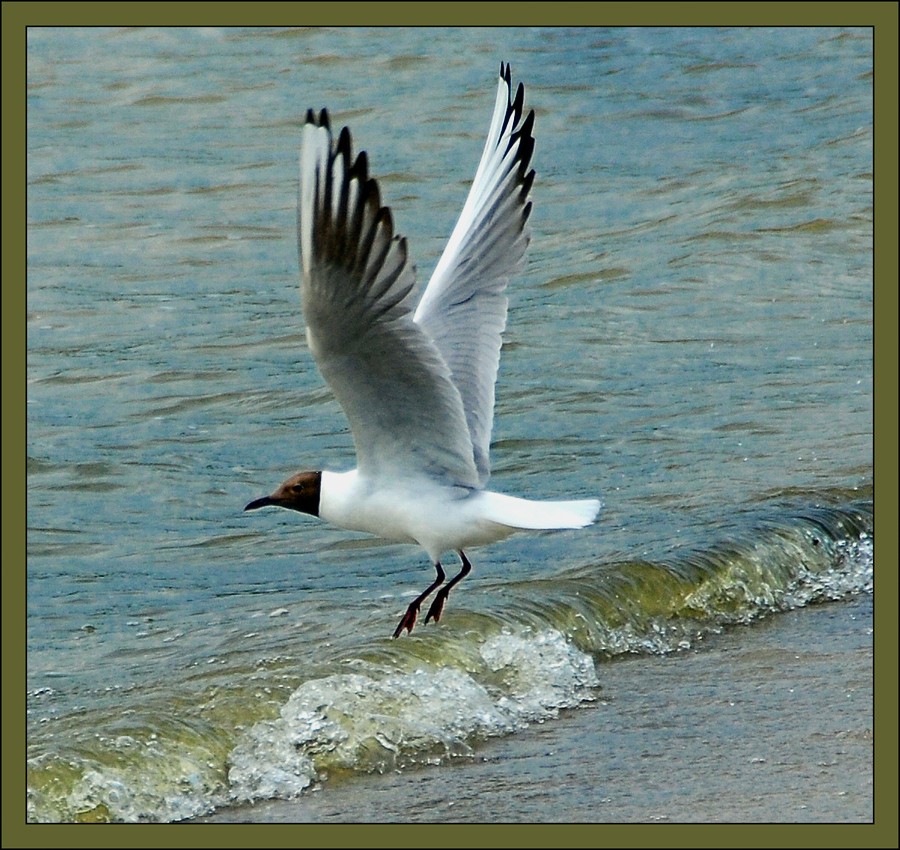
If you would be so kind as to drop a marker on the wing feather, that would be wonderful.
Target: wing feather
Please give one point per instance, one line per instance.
(463, 308)
(405, 412)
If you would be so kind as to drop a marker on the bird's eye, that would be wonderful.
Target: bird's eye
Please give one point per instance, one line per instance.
(297, 488)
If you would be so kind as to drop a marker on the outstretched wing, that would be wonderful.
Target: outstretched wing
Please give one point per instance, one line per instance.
(463, 308)
(405, 412)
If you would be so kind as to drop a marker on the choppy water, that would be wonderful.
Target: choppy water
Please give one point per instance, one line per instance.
(690, 340)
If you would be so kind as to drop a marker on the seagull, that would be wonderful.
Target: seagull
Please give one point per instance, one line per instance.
(416, 381)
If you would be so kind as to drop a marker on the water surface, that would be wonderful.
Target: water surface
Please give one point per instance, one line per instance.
(690, 341)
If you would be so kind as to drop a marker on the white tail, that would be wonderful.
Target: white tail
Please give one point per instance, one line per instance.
(527, 513)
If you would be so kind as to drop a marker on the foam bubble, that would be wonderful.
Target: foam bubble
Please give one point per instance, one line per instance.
(378, 722)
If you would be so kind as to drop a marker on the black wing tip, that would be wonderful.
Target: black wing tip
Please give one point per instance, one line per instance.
(320, 120)
(515, 101)
(524, 133)
(527, 128)
(527, 182)
(360, 168)
(344, 144)
(385, 216)
(518, 103)
(523, 137)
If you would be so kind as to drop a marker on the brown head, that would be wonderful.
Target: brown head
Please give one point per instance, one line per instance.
(299, 493)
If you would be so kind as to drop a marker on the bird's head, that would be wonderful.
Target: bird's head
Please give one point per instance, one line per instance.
(299, 493)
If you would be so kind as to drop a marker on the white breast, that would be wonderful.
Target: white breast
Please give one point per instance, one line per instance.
(437, 518)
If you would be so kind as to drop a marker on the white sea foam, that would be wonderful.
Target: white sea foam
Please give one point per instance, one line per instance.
(379, 722)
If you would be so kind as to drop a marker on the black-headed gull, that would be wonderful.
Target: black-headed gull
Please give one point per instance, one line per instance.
(416, 382)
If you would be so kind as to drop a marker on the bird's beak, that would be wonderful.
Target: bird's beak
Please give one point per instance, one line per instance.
(265, 501)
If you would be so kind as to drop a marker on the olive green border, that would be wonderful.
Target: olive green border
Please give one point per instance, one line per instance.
(16, 16)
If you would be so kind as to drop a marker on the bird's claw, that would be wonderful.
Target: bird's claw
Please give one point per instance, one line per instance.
(436, 609)
(408, 620)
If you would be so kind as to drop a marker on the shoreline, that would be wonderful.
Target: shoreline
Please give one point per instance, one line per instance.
(766, 723)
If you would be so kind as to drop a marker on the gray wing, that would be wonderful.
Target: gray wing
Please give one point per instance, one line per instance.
(463, 308)
(405, 413)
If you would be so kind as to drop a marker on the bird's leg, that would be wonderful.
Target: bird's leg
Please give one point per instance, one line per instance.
(409, 618)
(438, 605)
